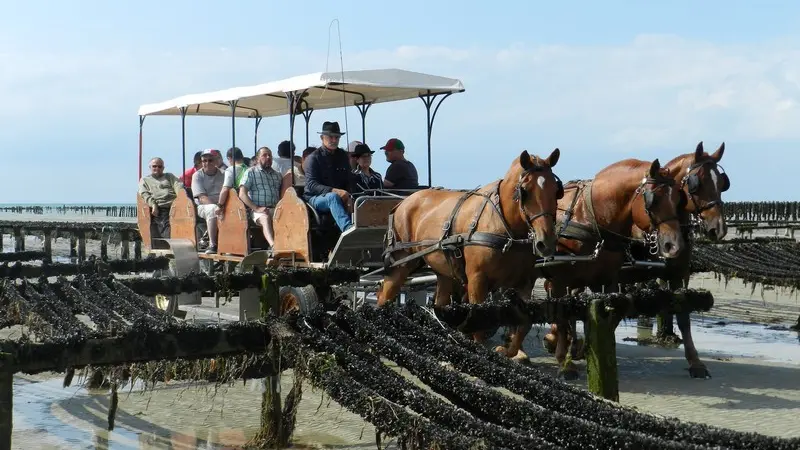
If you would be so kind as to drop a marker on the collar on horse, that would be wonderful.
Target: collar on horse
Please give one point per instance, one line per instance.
(452, 244)
(605, 238)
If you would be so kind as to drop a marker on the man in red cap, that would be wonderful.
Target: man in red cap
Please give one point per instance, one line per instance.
(401, 173)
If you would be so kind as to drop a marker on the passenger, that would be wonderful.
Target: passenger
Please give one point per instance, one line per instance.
(328, 177)
(299, 172)
(236, 160)
(159, 190)
(351, 147)
(207, 186)
(186, 178)
(364, 178)
(401, 173)
(283, 164)
(260, 190)
(220, 164)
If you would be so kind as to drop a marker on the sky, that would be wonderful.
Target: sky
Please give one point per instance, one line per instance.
(602, 81)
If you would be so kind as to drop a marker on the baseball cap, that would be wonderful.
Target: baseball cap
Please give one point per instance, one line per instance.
(393, 144)
(208, 151)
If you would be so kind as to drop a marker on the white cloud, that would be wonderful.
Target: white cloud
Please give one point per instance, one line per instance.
(655, 90)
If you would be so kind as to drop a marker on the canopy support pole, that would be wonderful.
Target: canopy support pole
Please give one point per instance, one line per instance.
(429, 100)
(292, 101)
(182, 110)
(233, 104)
(141, 124)
(307, 115)
(362, 109)
(255, 135)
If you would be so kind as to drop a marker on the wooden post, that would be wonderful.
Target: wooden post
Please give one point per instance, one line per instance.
(137, 250)
(6, 402)
(104, 246)
(272, 432)
(19, 240)
(125, 245)
(81, 246)
(601, 354)
(73, 242)
(48, 244)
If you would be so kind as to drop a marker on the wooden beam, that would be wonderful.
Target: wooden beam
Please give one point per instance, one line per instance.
(601, 352)
(179, 341)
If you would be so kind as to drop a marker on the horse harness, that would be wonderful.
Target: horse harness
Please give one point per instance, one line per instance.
(607, 239)
(451, 244)
(692, 183)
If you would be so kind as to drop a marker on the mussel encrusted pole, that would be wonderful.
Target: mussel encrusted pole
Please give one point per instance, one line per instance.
(272, 434)
(601, 352)
(6, 400)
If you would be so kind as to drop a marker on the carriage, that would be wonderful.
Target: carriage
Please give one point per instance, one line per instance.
(304, 237)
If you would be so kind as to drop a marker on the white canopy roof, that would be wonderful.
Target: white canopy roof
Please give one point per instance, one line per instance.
(323, 90)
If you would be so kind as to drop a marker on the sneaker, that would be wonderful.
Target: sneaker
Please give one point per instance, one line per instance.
(211, 250)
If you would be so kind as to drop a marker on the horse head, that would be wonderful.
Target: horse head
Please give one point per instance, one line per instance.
(661, 202)
(536, 192)
(703, 184)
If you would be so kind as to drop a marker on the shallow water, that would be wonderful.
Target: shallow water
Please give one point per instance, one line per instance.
(730, 338)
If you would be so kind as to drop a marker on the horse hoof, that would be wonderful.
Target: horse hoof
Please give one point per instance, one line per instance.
(500, 349)
(699, 372)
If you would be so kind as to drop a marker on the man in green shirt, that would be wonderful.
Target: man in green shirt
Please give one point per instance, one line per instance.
(159, 190)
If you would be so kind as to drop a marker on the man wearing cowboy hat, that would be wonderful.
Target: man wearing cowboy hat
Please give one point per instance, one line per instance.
(328, 177)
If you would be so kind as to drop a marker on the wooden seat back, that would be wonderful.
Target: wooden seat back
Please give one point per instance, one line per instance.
(143, 218)
(183, 218)
(233, 237)
(373, 212)
(291, 226)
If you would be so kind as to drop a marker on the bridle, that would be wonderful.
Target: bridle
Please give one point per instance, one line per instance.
(520, 194)
(692, 183)
(650, 200)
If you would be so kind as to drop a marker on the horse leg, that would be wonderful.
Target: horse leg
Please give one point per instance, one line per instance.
(516, 335)
(665, 331)
(696, 367)
(567, 367)
(392, 283)
(444, 290)
(477, 290)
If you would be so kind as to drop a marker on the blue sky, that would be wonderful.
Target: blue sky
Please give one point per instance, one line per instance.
(602, 81)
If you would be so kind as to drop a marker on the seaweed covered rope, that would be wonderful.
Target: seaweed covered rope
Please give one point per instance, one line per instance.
(451, 244)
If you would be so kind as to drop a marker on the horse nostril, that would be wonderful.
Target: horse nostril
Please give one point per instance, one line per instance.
(668, 247)
(712, 234)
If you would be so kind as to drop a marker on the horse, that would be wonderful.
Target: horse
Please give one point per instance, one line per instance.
(598, 216)
(467, 246)
(699, 177)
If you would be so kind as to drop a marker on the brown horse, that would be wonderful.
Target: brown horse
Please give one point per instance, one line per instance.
(601, 213)
(699, 177)
(478, 238)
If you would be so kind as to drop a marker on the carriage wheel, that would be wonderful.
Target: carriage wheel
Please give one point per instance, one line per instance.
(302, 299)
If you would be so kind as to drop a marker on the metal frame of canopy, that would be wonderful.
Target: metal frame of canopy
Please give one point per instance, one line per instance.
(304, 94)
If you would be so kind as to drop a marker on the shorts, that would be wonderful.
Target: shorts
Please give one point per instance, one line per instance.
(207, 211)
(258, 215)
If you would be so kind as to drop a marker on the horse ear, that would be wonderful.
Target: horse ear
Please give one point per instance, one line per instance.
(525, 160)
(553, 158)
(655, 167)
(698, 152)
(717, 155)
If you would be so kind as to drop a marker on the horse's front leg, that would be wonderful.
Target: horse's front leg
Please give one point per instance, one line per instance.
(696, 367)
(567, 368)
(477, 289)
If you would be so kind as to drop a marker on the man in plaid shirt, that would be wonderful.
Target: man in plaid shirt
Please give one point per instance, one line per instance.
(260, 190)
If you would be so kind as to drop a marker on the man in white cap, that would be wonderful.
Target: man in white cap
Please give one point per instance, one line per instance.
(206, 187)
